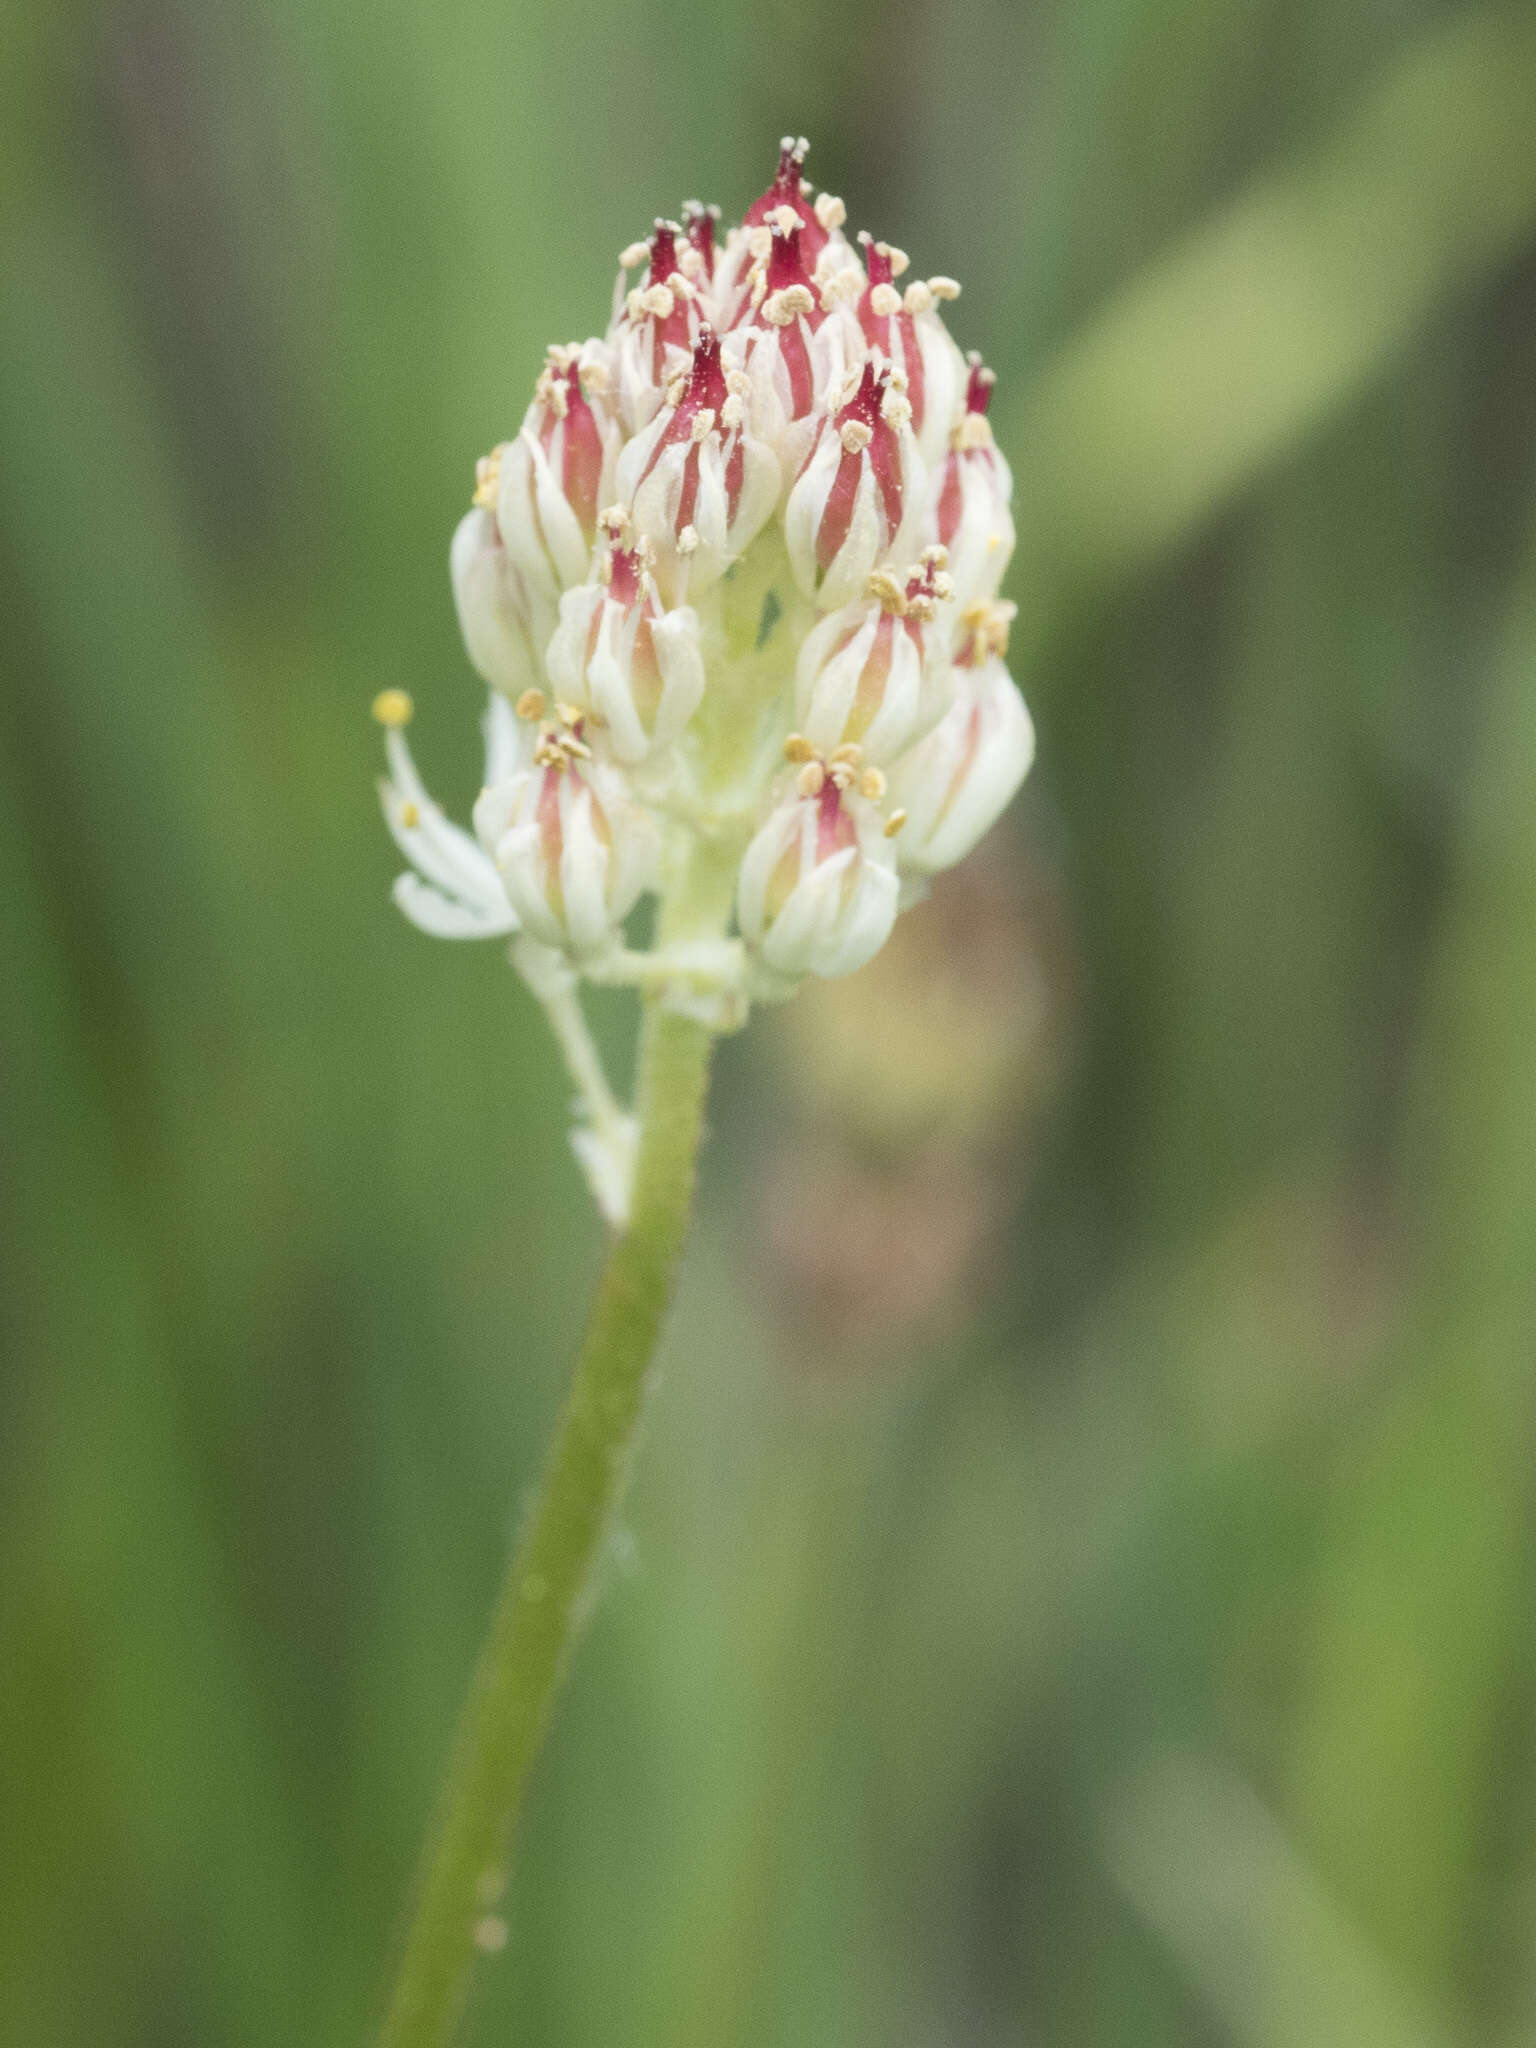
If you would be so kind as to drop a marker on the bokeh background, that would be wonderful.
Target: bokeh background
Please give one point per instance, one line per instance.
(1079, 1588)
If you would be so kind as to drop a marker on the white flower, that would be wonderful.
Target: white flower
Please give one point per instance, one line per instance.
(615, 651)
(698, 483)
(453, 889)
(818, 891)
(877, 673)
(954, 784)
(967, 508)
(557, 473)
(906, 327)
(855, 501)
(572, 847)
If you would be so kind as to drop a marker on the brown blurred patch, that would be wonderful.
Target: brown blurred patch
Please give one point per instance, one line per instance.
(203, 172)
(917, 1086)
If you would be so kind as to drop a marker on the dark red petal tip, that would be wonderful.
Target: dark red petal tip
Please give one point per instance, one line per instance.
(978, 388)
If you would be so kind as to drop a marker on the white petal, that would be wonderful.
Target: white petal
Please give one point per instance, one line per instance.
(504, 739)
(445, 853)
(432, 912)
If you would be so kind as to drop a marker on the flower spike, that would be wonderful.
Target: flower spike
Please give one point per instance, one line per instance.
(734, 587)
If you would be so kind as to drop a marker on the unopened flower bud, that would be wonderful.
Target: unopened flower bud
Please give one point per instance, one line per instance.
(967, 508)
(698, 483)
(615, 650)
(573, 849)
(854, 502)
(818, 891)
(554, 477)
(654, 335)
(907, 328)
(497, 616)
(794, 353)
(786, 202)
(877, 673)
(954, 784)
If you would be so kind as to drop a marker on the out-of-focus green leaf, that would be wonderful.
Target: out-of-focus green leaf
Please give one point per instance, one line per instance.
(1254, 1927)
(1227, 350)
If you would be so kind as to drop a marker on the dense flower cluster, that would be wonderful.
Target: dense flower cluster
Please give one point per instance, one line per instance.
(734, 588)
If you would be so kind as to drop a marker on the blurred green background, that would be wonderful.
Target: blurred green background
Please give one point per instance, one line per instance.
(1079, 1585)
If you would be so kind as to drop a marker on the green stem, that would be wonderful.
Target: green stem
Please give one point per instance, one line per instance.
(547, 1591)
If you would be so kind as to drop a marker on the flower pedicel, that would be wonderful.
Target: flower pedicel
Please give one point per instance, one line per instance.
(733, 587)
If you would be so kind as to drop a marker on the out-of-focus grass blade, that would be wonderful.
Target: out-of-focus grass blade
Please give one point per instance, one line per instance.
(1228, 349)
(1421, 1591)
(136, 1748)
(1208, 1868)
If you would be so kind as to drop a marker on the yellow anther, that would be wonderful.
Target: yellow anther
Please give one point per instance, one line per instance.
(393, 707)
(530, 705)
(987, 626)
(409, 816)
(973, 431)
(850, 754)
(812, 779)
(798, 748)
(568, 714)
(888, 591)
(488, 479)
(872, 785)
(894, 823)
(784, 307)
